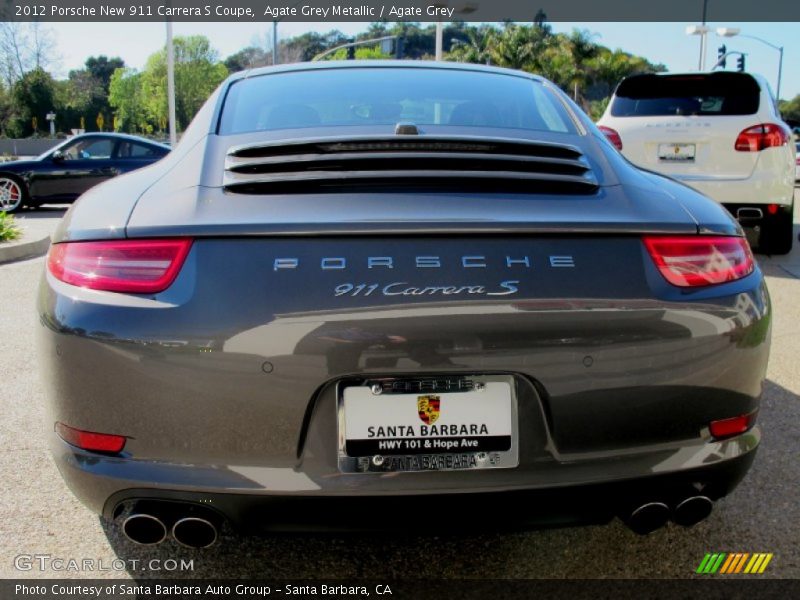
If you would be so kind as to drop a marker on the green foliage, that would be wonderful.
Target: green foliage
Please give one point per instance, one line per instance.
(33, 96)
(197, 73)
(137, 101)
(790, 109)
(140, 99)
(8, 228)
(127, 98)
(583, 68)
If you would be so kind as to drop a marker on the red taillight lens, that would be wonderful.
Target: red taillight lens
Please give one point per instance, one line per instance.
(725, 428)
(134, 266)
(89, 440)
(758, 137)
(612, 135)
(692, 261)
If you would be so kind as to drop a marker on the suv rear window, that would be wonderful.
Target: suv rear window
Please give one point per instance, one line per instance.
(722, 94)
(386, 96)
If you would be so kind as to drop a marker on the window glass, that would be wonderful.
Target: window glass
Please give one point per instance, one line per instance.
(720, 94)
(91, 148)
(129, 149)
(387, 96)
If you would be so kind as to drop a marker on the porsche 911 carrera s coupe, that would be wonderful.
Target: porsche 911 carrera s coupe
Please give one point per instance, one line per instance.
(391, 294)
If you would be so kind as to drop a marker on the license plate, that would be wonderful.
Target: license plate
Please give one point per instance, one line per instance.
(676, 152)
(382, 431)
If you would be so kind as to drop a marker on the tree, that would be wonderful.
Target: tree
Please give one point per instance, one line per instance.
(197, 73)
(126, 96)
(24, 47)
(33, 96)
(790, 109)
(247, 58)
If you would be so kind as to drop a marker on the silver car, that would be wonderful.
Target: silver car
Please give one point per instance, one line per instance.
(393, 294)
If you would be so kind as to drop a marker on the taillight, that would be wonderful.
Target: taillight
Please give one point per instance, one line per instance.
(612, 135)
(90, 440)
(725, 428)
(758, 137)
(693, 261)
(134, 266)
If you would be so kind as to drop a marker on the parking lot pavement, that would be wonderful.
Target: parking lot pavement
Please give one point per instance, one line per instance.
(40, 516)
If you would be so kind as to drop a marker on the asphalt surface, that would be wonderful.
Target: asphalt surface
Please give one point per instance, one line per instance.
(39, 516)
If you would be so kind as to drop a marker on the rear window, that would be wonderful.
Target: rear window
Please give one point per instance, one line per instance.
(386, 96)
(722, 94)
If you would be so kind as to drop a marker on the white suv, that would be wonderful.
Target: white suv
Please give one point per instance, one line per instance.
(720, 133)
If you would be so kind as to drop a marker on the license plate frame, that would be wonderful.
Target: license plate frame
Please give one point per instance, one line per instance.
(677, 152)
(486, 394)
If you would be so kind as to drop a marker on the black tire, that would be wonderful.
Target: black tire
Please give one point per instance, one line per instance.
(778, 234)
(13, 193)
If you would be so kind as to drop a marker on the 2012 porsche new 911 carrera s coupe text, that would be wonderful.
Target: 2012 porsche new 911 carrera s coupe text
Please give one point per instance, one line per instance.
(368, 295)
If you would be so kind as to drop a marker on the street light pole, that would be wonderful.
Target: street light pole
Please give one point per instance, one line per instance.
(173, 135)
(734, 31)
(275, 42)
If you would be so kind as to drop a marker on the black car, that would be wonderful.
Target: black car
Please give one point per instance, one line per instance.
(63, 173)
(379, 294)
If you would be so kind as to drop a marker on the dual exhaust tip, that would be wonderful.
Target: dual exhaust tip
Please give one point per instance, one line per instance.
(148, 529)
(653, 515)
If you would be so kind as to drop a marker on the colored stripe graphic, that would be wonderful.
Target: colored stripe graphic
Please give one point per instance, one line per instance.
(734, 562)
(739, 566)
(728, 563)
(711, 563)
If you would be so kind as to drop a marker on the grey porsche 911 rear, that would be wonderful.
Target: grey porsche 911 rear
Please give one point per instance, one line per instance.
(360, 290)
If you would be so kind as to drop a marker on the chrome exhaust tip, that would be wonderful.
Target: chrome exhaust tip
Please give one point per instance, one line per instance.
(195, 532)
(648, 517)
(749, 214)
(144, 529)
(692, 510)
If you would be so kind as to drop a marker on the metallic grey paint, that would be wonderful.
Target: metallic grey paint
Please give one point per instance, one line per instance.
(225, 383)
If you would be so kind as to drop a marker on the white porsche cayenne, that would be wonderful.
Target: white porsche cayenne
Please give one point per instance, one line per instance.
(720, 133)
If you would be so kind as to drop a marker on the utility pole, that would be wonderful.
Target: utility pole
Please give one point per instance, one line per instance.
(173, 134)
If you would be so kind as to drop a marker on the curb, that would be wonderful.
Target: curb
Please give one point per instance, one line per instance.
(24, 250)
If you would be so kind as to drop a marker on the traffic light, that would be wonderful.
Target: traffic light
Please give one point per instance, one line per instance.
(721, 51)
(740, 63)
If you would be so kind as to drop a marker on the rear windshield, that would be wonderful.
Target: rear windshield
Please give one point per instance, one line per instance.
(387, 96)
(722, 94)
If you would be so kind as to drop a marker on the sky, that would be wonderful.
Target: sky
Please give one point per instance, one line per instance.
(665, 43)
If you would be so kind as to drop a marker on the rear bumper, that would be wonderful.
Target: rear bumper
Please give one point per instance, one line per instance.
(761, 188)
(714, 476)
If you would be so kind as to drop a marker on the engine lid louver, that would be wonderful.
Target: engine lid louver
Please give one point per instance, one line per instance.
(392, 163)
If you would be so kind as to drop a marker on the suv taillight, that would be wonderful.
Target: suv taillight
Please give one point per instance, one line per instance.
(612, 135)
(758, 137)
(133, 266)
(694, 261)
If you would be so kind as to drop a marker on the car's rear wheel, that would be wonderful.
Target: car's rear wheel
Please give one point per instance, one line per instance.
(778, 234)
(12, 195)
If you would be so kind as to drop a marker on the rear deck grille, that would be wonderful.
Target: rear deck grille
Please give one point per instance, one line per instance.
(436, 163)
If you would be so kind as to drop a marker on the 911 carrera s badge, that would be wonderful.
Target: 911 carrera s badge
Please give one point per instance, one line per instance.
(428, 408)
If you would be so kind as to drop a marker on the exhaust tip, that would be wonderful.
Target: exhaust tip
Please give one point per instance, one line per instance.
(144, 529)
(648, 517)
(194, 532)
(692, 510)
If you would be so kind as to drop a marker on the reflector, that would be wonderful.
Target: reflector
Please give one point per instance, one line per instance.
(725, 428)
(89, 440)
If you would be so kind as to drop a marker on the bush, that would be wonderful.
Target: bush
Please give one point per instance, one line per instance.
(8, 228)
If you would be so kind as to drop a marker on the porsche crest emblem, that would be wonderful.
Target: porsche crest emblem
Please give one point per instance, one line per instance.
(428, 408)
